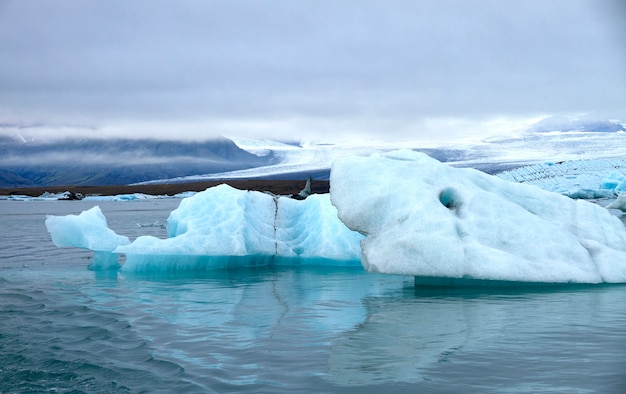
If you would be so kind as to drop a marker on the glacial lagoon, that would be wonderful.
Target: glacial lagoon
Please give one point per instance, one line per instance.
(283, 329)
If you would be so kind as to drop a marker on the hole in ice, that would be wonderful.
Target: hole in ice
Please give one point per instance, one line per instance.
(450, 198)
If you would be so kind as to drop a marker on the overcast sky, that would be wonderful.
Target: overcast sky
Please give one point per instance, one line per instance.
(304, 69)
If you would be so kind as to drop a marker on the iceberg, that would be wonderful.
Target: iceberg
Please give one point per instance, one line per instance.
(400, 212)
(223, 227)
(447, 225)
(88, 230)
(619, 203)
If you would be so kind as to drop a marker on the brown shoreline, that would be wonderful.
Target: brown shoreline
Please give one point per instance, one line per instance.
(282, 187)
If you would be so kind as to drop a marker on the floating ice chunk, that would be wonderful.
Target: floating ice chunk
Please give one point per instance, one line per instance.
(122, 197)
(430, 220)
(614, 181)
(185, 194)
(611, 181)
(88, 230)
(224, 227)
(46, 196)
(589, 194)
(619, 203)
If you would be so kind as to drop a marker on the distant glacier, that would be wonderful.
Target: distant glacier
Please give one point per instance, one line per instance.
(574, 176)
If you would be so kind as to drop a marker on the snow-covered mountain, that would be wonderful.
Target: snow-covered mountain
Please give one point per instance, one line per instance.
(494, 155)
(585, 123)
(64, 162)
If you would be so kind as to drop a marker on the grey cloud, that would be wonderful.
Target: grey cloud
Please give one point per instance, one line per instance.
(385, 61)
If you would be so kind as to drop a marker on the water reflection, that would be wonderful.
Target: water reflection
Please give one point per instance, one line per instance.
(347, 328)
(450, 335)
(399, 338)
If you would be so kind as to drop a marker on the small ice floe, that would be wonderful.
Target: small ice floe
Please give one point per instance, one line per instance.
(155, 224)
(619, 203)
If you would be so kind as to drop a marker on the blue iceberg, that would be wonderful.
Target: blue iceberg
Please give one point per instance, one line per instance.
(223, 227)
(88, 230)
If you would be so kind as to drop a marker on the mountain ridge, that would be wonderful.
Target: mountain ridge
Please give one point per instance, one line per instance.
(96, 161)
(91, 161)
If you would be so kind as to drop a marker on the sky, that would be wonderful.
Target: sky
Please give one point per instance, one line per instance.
(306, 70)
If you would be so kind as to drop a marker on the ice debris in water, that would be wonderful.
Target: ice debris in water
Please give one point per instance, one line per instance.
(224, 227)
(430, 220)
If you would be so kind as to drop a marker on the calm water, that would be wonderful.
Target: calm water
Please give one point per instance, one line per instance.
(64, 328)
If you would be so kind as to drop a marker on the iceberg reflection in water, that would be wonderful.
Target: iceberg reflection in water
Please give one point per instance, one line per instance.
(336, 329)
(550, 338)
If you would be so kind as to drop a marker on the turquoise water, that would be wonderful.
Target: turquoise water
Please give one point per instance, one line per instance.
(64, 328)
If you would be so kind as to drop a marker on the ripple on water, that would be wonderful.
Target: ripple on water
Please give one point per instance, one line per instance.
(52, 346)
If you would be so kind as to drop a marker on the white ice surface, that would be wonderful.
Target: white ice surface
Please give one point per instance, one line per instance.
(430, 220)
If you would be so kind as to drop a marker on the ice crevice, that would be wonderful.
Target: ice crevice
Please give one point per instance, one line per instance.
(275, 199)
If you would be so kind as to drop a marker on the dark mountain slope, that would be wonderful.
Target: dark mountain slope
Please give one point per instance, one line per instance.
(119, 161)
